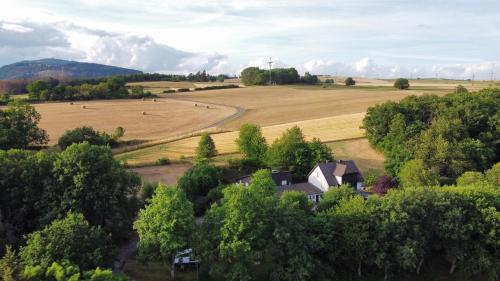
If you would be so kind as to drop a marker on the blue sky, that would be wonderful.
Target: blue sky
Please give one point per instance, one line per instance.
(377, 38)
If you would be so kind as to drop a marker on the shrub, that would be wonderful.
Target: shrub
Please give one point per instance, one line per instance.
(163, 161)
(147, 191)
(401, 84)
(383, 185)
(88, 134)
(309, 79)
(169, 91)
(349, 81)
(4, 99)
(221, 78)
(180, 90)
(370, 178)
(469, 178)
(217, 87)
(461, 89)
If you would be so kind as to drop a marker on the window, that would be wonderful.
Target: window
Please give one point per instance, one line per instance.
(284, 182)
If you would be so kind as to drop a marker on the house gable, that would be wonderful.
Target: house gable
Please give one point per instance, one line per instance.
(317, 178)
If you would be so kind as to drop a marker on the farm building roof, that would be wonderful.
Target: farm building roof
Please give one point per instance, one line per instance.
(338, 168)
(278, 178)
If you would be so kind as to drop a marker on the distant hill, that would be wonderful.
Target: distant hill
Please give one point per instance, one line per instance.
(33, 69)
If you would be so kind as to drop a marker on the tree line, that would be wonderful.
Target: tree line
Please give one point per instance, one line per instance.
(256, 76)
(14, 87)
(441, 136)
(110, 88)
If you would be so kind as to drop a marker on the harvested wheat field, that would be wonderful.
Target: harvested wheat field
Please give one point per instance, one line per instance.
(361, 152)
(145, 120)
(327, 129)
(284, 104)
(167, 174)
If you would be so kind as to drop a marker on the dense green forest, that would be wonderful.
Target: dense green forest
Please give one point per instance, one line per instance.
(449, 135)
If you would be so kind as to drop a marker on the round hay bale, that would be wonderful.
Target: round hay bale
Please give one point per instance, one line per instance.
(144, 113)
(154, 100)
(83, 106)
(71, 103)
(195, 104)
(208, 107)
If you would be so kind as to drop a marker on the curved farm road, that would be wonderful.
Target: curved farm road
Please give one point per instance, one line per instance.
(239, 112)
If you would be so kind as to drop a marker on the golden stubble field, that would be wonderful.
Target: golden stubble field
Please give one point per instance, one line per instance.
(327, 129)
(331, 114)
(284, 104)
(164, 118)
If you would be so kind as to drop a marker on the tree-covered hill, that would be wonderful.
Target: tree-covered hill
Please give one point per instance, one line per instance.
(35, 69)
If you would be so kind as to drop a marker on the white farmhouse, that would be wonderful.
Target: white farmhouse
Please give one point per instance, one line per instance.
(323, 177)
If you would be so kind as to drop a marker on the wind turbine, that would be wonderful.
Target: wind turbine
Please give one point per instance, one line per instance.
(270, 63)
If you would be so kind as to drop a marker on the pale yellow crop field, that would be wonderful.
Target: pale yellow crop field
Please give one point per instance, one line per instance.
(327, 129)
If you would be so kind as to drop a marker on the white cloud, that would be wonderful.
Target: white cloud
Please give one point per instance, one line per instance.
(27, 40)
(366, 67)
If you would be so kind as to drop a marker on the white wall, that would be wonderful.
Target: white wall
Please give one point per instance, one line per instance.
(339, 179)
(317, 179)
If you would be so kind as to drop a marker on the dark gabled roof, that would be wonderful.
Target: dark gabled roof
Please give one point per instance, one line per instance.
(327, 171)
(338, 168)
(277, 177)
(305, 187)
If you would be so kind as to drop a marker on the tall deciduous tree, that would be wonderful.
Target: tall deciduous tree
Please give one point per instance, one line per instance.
(165, 226)
(292, 152)
(199, 180)
(239, 230)
(251, 143)
(25, 176)
(414, 173)
(206, 148)
(72, 239)
(320, 152)
(87, 179)
(335, 195)
(349, 81)
(19, 126)
(493, 175)
(292, 241)
(401, 84)
(354, 225)
(469, 178)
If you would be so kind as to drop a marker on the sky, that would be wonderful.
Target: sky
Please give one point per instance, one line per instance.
(365, 38)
